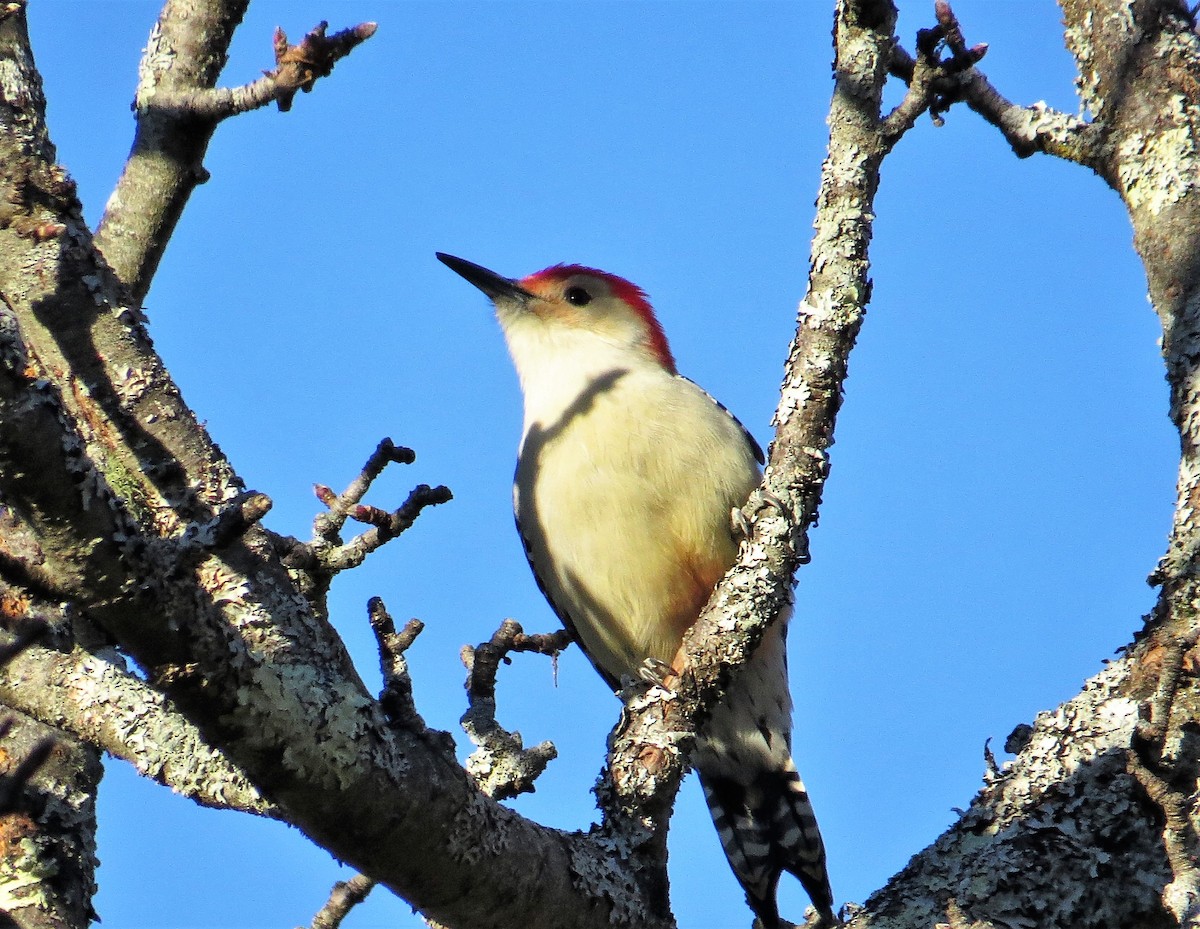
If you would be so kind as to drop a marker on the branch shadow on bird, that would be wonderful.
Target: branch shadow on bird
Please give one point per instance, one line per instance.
(538, 439)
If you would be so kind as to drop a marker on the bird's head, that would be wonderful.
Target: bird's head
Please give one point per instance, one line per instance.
(572, 304)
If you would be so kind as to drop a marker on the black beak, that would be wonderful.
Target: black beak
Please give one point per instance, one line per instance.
(489, 282)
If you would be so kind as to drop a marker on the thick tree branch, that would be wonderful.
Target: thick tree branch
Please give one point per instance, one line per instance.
(47, 826)
(95, 699)
(229, 639)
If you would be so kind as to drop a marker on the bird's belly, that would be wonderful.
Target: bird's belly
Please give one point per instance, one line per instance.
(626, 543)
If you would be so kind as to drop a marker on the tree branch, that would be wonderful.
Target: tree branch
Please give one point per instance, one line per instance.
(650, 744)
(47, 826)
(1027, 129)
(178, 108)
(297, 68)
(397, 697)
(344, 897)
(385, 526)
(95, 699)
(501, 764)
(1103, 792)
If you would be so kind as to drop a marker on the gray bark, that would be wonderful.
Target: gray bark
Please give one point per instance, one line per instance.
(123, 506)
(47, 827)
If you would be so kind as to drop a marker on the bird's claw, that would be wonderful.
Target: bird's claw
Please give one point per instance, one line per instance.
(657, 673)
(771, 500)
(742, 518)
(739, 522)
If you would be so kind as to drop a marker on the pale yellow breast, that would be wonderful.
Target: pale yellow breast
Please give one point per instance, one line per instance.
(624, 501)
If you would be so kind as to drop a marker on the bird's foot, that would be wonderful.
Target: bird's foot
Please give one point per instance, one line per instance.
(657, 673)
(742, 518)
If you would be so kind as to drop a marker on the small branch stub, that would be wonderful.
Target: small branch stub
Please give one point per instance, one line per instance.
(342, 899)
(237, 518)
(397, 697)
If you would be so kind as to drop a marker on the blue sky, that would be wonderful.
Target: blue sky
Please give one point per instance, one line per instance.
(1003, 476)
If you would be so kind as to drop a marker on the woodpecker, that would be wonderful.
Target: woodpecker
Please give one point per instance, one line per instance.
(627, 475)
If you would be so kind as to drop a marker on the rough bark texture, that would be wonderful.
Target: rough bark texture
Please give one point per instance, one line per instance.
(1094, 823)
(114, 499)
(186, 50)
(47, 827)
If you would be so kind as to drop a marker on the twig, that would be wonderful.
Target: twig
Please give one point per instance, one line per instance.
(397, 696)
(941, 83)
(325, 555)
(327, 526)
(501, 764)
(342, 899)
(932, 79)
(297, 68)
(384, 527)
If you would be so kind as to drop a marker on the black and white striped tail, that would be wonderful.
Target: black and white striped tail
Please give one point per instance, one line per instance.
(767, 827)
(758, 802)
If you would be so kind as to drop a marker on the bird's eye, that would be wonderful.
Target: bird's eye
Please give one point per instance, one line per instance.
(577, 296)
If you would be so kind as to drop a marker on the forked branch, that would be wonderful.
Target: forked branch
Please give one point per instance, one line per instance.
(179, 106)
(501, 764)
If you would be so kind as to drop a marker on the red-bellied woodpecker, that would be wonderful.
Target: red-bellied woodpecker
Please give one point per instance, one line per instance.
(626, 478)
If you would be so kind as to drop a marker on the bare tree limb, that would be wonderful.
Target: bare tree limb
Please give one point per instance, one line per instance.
(95, 699)
(342, 899)
(649, 747)
(501, 764)
(178, 108)
(297, 68)
(47, 826)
